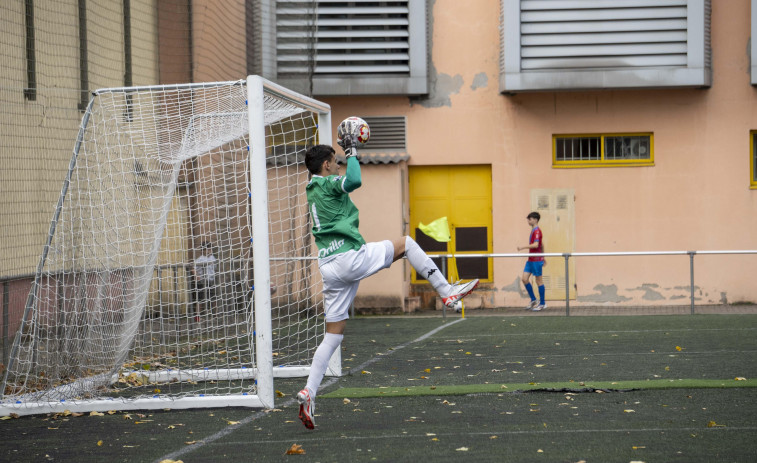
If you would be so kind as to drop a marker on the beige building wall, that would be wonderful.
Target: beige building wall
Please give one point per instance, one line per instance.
(218, 35)
(381, 202)
(695, 197)
(39, 135)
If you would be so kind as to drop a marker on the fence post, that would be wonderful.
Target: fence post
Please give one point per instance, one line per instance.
(6, 301)
(567, 285)
(444, 272)
(691, 274)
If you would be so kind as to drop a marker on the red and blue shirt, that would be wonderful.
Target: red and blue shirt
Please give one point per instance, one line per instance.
(536, 237)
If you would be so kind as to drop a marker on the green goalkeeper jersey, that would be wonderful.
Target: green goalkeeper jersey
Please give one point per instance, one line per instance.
(334, 215)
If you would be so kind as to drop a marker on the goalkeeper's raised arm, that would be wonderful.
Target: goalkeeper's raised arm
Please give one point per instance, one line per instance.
(352, 180)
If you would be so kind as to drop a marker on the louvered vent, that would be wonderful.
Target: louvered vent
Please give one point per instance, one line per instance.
(582, 44)
(330, 37)
(388, 134)
(639, 33)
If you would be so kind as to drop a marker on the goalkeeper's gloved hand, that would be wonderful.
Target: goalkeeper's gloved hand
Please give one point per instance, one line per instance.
(349, 146)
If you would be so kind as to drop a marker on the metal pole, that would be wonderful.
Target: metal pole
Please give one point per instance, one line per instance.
(6, 298)
(261, 248)
(444, 272)
(691, 273)
(567, 286)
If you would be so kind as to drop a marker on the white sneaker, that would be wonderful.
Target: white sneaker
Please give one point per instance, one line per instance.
(307, 408)
(539, 308)
(459, 291)
(531, 305)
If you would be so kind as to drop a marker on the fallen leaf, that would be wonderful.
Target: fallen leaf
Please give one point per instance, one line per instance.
(295, 450)
(629, 411)
(192, 442)
(96, 414)
(346, 401)
(365, 372)
(99, 443)
(712, 424)
(739, 378)
(280, 394)
(679, 348)
(231, 423)
(462, 449)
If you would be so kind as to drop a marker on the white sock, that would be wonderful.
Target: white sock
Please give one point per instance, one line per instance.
(321, 359)
(423, 264)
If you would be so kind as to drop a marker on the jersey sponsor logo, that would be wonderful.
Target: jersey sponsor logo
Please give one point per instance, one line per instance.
(430, 272)
(333, 246)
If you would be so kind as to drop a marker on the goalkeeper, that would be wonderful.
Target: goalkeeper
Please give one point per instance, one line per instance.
(344, 258)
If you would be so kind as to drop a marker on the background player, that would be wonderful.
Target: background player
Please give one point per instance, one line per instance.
(534, 264)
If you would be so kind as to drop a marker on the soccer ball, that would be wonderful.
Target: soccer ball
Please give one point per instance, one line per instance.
(357, 127)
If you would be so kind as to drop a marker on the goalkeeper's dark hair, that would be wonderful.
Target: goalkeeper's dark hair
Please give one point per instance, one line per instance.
(534, 215)
(316, 156)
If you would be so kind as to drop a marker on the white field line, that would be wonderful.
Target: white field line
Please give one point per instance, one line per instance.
(565, 333)
(460, 433)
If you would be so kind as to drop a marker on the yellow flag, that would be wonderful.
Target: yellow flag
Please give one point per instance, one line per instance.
(438, 230)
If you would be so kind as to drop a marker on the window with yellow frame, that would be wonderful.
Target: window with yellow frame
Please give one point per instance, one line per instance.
(603, 150)
(753, 159)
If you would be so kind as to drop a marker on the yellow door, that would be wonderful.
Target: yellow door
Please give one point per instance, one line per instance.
(558, 226)
(463, 194)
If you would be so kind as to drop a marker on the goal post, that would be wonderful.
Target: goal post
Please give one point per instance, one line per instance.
(178, 270)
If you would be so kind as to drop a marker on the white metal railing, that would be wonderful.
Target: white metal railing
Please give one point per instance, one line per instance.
(568, 255)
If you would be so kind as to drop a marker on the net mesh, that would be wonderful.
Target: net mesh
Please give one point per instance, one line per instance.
(145, 289)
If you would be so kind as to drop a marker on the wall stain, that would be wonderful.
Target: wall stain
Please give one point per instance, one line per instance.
(649, 292)
(481, 80)
(607, 293)
(514, 287)
(441, 87)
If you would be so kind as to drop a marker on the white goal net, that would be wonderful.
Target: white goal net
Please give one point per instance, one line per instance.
(178, 269)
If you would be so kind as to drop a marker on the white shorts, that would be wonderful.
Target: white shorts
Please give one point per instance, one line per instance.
(342, 275)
